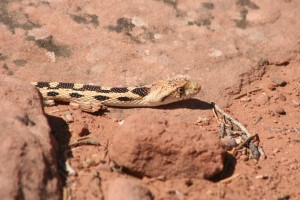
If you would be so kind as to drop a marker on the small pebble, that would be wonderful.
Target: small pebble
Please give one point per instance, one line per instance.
(278, 81)
(68, 116)
(49, 102)
(276, 150)
(157, 36)
(294, 167)
(139, 22)
(203, 121)
(261, 99)
(281, 97)
(257, 119)
(246, 99)
(280, 111)
(296, 103)
(262, 177)
(272, 86)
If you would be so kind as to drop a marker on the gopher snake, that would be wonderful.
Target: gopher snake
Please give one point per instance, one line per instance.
(91, 98)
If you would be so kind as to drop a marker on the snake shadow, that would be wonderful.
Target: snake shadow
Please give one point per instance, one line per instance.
(193, 104)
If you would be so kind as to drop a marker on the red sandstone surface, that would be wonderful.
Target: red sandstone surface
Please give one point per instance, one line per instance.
(229, 47)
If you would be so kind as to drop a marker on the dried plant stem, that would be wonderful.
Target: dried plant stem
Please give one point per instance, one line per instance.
(235, 122)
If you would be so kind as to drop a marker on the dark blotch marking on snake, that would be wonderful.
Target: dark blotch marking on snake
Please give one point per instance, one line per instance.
(124, 99)
(141, 91)
(119, 89)
(101, 98)
(52, 94)
(92, 88)
(76, 95)
(65, 85)
(42, 84)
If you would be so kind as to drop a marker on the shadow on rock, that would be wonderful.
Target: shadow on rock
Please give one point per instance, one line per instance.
(228, 170)
(193, 104)
(60, 130)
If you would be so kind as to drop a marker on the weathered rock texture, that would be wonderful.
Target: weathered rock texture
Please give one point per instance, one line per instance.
(223, 45)
(149, 145)
(27, 170)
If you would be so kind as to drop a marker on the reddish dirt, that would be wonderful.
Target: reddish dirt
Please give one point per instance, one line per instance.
(229, 47)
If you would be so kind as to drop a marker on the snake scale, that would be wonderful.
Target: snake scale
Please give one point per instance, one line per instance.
(91, 98)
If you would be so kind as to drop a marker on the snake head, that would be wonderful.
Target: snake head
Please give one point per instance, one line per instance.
(165, 92)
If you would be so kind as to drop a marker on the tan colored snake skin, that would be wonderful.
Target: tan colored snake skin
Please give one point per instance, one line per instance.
(91, 98)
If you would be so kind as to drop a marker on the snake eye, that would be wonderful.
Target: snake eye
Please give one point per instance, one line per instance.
(180, 90)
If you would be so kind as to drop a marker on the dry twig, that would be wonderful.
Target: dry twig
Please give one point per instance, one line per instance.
(232, 120)
(230, 126)
(246, 93)
(229, 178)
(246, 141)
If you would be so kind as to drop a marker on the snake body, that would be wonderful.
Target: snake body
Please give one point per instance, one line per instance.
(91, 97)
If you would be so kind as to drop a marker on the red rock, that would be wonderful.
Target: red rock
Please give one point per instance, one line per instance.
(261, 99)
(296, 103)
(280, 96)
(280, 111)
(28, 169)
(279, 81)
(151, 145)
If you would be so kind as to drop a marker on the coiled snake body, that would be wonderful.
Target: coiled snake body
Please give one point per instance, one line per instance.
(91, 98)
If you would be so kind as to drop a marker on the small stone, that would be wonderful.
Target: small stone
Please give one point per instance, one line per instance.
(68, 117)
(272, 86)
(276, 150)
(51, 56)
(271, 113)
(257, 119)
(157, 36)
(246, 99)
(280, 97)
(280, 111)
(261, 99)
(189, 182)
(139, 22)
(96, 159)
(296, 103)
(203, 121)
(215, 53)
(294, 167)
(278, 81)
(262, 177)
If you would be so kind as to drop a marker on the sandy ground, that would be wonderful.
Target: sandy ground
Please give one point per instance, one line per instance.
(230, 48)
